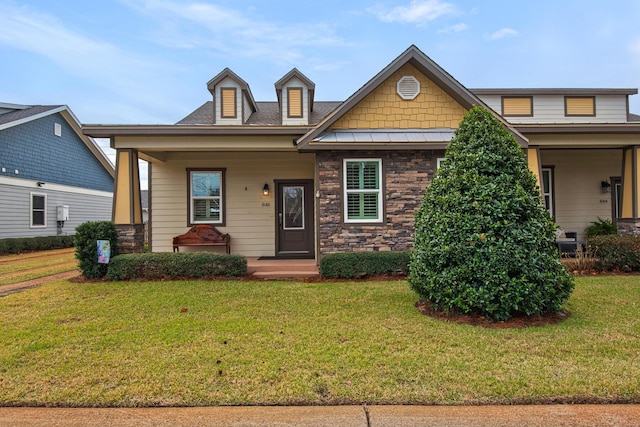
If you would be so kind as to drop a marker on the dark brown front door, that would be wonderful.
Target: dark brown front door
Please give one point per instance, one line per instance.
(294, 219)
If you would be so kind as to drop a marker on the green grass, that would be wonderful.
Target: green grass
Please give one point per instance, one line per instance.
(34, 265)
(238, 343)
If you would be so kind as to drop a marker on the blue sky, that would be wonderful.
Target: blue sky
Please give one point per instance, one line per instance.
(148, 61)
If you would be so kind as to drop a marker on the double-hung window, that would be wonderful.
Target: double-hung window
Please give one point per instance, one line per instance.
(206, 196)
(362, 190)
(38, 210)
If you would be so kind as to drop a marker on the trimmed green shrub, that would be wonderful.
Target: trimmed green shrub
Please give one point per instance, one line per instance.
(41, 243)
(87, 235)
(601, 227)
(620, 253)
(349, 265)
(167, 265)
(483, 241)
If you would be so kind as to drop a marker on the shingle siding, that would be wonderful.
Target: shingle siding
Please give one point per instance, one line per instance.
(34, 150)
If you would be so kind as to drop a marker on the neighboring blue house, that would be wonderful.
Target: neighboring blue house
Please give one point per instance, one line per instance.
(52, 177)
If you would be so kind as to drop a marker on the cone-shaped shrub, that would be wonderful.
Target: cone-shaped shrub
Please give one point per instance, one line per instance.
(483, 241)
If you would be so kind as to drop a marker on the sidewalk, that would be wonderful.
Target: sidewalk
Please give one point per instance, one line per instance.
(330, 416)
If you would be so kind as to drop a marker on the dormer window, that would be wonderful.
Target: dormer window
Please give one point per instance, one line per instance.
(517, 106)
(228, 101)
(294, 102)
(295, 98)
(584, 106)
(233, 102)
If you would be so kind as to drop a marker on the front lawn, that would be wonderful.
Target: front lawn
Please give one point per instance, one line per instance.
(240, 342)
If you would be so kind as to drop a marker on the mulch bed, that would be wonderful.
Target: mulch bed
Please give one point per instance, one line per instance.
(515, 322)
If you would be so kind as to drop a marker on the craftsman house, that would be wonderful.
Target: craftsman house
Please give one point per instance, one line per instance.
(298, 177)
(52, 176)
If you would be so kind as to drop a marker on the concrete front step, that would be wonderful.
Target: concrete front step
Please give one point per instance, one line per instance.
(282, 268)
(284, 274)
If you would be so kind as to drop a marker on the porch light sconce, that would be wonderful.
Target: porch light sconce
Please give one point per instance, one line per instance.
(40, 183)
(265, 189)
(605, 186)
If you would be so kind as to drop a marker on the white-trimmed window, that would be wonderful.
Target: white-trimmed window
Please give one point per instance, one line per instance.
(547, 189)
(38, 210)
(439, 162)
(206, 196)
(362, 190)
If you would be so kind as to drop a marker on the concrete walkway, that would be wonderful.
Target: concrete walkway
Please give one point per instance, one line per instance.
(330, 416)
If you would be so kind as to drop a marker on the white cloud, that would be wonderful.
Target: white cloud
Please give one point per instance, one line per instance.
(231, 32)
(25, 28)
(417, 12)
(502, 33)
(454, 28)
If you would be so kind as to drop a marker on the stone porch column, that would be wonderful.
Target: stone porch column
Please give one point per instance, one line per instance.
(127, 206)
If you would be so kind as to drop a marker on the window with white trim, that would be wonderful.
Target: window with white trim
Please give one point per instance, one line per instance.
(38, 210)
(206, 196)
(362, 190)
(547, 189)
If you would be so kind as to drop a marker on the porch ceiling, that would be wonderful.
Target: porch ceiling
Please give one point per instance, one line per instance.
(583, 140)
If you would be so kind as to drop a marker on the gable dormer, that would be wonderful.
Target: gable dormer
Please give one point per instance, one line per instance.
(295, 98)
(233, 102)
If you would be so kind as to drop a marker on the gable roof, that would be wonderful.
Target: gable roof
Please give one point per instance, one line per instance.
(267, 114)
(431, 70)
(311, 86)
(24, 114)
(244, 86)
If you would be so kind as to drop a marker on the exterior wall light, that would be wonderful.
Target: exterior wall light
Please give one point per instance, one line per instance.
(605, 186)
(265, 189)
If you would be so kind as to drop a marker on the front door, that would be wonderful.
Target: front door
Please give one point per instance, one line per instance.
(294, 219)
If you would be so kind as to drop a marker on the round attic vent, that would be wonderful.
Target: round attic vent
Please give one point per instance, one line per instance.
(408, 87)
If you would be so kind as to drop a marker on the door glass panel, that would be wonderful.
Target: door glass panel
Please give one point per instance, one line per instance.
(293, 207)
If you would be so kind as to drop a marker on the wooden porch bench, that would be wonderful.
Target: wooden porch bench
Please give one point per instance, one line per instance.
(202, 235)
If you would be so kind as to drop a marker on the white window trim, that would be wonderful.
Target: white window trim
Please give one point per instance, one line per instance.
(192, 219)
(439, 161)
(345, 192)
(31, 224)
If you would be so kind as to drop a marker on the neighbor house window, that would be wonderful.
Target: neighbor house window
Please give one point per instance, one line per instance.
(363, 190)
(206, 196)
(517, 106)
(294, 101)
(580, 106)
(38, 210)
(228, 103)
(547, 189)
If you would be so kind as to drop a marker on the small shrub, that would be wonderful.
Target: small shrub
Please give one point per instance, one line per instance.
(601, 227)
(351, 265)
(619, 252)
(87, 235)
(41, 243)
(163, 265)
(584, 260)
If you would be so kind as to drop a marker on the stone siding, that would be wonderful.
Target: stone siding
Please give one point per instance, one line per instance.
(629, 226)
(406, 175)
(130, 238)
